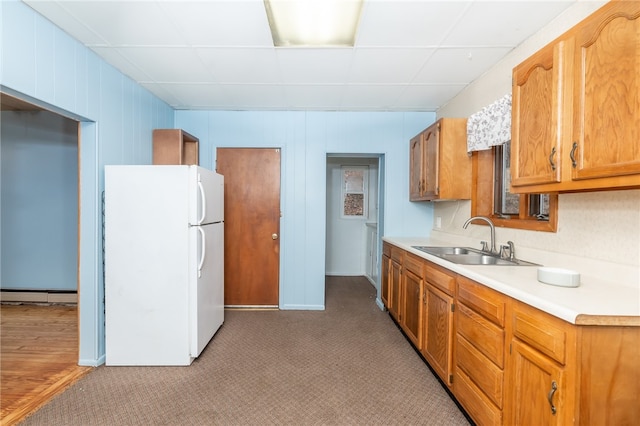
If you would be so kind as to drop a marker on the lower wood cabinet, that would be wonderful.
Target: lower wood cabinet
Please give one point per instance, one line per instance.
(542, 368)
(438, 346)
(506, 362)
(395, 295)
(412, 289)
(480, 345)
(384, 278)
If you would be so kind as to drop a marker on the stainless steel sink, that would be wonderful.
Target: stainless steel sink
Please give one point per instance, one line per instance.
(470, 256)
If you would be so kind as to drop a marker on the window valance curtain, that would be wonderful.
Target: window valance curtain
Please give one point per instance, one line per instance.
(490, 126)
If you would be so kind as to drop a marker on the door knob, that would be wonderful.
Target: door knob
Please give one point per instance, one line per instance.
(274, 236)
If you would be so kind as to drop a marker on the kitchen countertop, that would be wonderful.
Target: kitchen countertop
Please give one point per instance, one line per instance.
(597, 301)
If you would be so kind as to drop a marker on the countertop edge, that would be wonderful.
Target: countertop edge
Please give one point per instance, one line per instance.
(475, 273)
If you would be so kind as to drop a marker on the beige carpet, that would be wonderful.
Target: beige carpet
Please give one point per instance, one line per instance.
(347, 365)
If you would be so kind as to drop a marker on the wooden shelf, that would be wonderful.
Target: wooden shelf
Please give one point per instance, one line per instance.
(175, 146)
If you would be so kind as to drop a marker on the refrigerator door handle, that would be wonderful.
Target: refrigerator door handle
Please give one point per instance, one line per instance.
(203, 251)
(203, 200)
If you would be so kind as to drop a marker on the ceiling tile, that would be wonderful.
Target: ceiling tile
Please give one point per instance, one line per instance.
(257, 96)
(399, 65)
(168, 64)
(58, 13)
(407, 23)
(426, 98)
(116, 59)
(314, 96)
(412, 55)
(248, 65)
(197, 96)
(160, 90)
(314, 65)
(367, 97)
(127, 23)
(221, 23)
(511, 22)
(458, 66)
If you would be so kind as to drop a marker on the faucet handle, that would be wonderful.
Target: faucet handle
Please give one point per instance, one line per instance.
(508, 251)
(485, 246)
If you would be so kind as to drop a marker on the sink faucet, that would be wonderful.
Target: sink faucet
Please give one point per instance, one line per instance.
(493, 232)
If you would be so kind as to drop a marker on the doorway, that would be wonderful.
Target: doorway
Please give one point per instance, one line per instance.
(39, 254)
(352, 238)
(40, 166)
(252, 225)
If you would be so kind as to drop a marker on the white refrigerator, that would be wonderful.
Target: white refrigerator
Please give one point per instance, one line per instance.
(164, 263)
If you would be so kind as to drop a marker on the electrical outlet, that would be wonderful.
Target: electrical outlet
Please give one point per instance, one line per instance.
(438, 222)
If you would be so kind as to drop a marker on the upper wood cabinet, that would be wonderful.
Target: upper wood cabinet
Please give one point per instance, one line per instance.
(576, 109)
(175, 146)
(536, 111)
(439, 167)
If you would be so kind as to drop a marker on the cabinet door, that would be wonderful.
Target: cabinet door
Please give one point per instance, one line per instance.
(536, 111)
(394, 290)
(537, 388)
(439, 332)
(416, 179)
(385, 280)
(412, 307)
(431, 161)
(607, 103)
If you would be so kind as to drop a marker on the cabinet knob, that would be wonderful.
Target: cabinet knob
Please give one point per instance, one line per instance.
(274, 236)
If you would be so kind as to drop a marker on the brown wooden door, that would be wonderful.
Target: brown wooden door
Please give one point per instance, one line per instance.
(252, 225)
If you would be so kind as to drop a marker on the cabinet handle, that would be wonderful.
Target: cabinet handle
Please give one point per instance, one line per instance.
(553, 153)
(572, 154)
(554, 388)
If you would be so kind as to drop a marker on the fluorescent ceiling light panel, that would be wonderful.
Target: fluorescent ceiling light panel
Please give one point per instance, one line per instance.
(313, 22)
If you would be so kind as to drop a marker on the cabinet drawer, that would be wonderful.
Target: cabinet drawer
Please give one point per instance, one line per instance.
(438, 278)
(542, 331)
(485, 374)
(485, 336)
(397, 254)
(479, 407)
(486, 302)
(386, 249)
(414, 264)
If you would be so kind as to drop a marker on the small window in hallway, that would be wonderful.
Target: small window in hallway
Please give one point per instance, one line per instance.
(354, 191)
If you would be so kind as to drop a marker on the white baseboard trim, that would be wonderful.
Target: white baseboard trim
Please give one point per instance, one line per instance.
(38, 297)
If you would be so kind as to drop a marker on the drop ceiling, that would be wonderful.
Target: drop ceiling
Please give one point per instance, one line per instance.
(218, 54)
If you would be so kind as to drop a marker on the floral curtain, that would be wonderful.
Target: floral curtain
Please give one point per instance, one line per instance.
(490, 126)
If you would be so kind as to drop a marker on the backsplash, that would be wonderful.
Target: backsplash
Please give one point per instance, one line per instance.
(604, 226)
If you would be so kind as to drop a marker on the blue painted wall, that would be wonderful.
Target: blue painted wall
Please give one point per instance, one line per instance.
(39, 201)
(43, 64)
(305, 139)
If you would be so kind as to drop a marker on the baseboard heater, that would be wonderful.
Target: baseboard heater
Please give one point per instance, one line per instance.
(38, 296)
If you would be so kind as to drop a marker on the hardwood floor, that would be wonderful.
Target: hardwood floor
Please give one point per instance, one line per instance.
(39, 356)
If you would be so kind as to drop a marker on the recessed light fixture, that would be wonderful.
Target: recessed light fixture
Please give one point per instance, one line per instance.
(313, 22)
